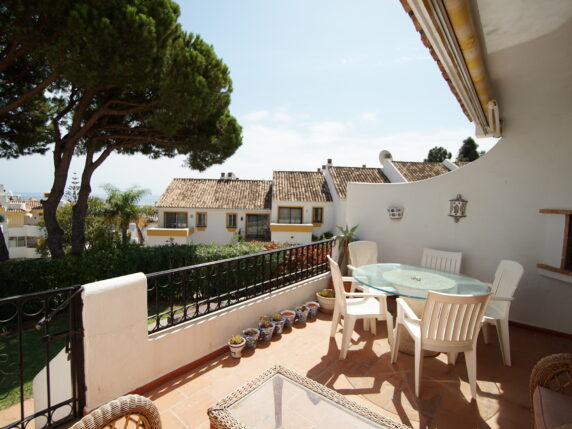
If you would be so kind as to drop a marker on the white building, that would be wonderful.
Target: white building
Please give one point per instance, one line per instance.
(20, 226)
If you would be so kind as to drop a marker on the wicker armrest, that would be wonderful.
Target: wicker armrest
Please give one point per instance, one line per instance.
(141, 411)
(553, 372)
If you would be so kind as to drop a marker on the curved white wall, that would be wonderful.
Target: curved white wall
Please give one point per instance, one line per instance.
(529, 169)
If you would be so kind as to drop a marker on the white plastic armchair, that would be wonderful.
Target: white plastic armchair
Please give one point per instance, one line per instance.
(442, 260)
(353, 306)
(362, 253)
(449, 324)
(507, 278)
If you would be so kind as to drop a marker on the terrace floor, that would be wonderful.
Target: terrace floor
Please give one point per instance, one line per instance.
(367, 377)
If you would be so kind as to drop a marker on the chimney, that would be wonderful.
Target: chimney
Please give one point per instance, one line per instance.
(230, 175)
(323, 167)
(222, 176)
(329, 162)
(363, 166)
(319, 170)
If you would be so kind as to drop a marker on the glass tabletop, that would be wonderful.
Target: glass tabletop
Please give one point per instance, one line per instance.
(415, 282)
(283, 403)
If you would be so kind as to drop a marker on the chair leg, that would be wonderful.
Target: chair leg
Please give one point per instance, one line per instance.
(418, 367)
(485, 328)
(452, 357)
(335, 321)
(471, 361)
(389, 321)
(504, 340)
(366, 324)
(395, 347)
(349, 324)
(373, 325)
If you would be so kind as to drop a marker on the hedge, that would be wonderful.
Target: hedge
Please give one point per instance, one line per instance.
(18, 277)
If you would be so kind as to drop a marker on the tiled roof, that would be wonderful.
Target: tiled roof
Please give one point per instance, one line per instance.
(217, 194)
(414, 171)
(435, 57)
(16, 210)
(33, 204)
(300, 186)
(462, 163)
(342, 175)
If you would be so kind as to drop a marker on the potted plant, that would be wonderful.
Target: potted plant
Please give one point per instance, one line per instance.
(289, 316)
(327, 300)
(302, 313)
(345, 237)
(251, 336)
(266, 328)
(279, 321)
(236, 343)
(313, 307)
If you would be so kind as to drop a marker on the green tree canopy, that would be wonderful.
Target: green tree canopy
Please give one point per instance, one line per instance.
(438, 154)
(109, 76)
(468, 151)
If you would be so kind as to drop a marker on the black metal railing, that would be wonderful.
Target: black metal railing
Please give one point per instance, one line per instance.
(183, 294)
(34, 328)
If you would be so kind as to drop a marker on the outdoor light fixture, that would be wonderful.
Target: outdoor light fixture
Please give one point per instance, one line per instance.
(395, 213)
(458, 208)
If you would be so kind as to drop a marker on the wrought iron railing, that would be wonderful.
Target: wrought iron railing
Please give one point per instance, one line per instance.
(34, 328)
(183, 294)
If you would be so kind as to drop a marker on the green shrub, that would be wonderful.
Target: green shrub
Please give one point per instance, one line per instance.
(19, 277)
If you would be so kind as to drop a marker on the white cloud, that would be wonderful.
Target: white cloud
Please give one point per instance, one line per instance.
(255, 116)
(281, 117)
(369, 116)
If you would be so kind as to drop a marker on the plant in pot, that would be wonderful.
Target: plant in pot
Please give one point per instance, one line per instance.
(236, 343)
(313, 307)
(289, 316)
(327, 300)
(266, 327)
(251, 336)
(345, 237)
(279, 321)
(302, 313)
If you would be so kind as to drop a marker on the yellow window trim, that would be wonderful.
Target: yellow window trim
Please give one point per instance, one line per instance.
(202, 227)
(322, 221)
(290, 227)
(236, 218)
(230, 229)
(170, 232)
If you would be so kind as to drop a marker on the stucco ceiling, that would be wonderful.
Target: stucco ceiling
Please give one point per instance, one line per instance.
(508, 23)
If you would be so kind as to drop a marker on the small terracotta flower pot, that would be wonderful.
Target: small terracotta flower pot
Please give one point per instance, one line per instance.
(313, 307)
(289, 316)
(236, 349)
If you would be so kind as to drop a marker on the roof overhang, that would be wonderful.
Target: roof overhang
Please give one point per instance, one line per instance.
(448, 29)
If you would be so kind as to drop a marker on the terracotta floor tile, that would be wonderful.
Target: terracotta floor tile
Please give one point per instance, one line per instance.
(368, 377)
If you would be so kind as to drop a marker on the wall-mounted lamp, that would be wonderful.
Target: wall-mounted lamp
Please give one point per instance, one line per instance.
(458, 208)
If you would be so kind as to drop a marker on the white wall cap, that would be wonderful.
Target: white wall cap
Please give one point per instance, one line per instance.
(392, 172)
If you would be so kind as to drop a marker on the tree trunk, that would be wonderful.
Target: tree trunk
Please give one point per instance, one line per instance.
(4, 254)
(140, 234)
(54, 240)
(80, 208)
(79, 212)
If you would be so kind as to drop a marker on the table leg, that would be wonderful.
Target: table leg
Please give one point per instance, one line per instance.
(277, 384)
(406, 343)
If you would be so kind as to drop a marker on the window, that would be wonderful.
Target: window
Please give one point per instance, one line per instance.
(176, 220)
(201, 219)
(290, 215)
(558, 258)
(32, 242)
(317, 215)
(17, 242)
(231, 220)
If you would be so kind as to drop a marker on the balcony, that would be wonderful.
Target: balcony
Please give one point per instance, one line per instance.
(367, 377)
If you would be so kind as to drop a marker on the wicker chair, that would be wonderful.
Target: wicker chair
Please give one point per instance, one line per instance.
(554, 374)
(131, 411)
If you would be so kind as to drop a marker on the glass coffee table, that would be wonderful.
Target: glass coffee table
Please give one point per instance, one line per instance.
(282, 399)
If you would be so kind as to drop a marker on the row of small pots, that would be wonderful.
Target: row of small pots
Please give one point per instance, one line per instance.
(271, 325)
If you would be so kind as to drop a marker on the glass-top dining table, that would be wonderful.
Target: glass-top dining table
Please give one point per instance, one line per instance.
(414, 283)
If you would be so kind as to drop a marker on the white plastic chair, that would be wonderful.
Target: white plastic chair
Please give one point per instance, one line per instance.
(507, 278)
(353, 306)
(450, 324)
(441, 260)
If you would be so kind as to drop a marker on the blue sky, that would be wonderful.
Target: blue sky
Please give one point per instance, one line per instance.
(312, 80)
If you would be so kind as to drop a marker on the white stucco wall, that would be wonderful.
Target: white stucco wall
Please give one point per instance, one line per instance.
(529, 169)
(290, 237)
(215, 231)
(119, 354)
